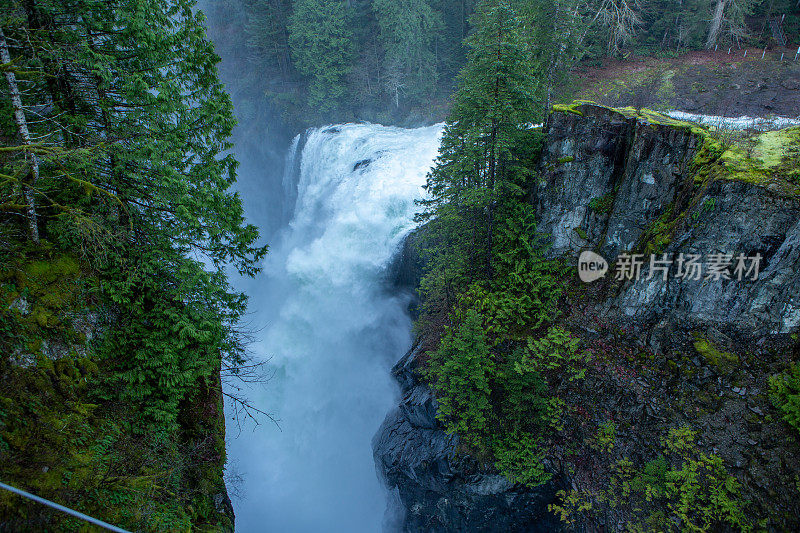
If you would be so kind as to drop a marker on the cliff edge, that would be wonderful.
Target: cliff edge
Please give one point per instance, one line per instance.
(684, 362)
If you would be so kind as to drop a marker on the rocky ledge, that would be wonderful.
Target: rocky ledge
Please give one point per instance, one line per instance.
(435, 489)
(670, 350)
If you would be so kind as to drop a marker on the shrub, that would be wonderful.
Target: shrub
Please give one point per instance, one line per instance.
(461, 368)
(785, 394)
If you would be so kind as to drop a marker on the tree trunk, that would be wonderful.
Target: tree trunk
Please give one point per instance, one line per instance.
(716, 23)
(22, 126)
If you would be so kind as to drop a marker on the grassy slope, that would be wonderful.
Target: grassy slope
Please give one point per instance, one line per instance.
(714, 83)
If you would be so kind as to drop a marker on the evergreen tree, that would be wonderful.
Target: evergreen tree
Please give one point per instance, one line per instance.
(132, 128)
(268, 33)
(321, 39)
(407, 31)
(498, 95)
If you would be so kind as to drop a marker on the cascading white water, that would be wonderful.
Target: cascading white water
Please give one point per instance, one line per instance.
(331, 333)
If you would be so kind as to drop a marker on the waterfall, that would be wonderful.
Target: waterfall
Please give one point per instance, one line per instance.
(330, 332)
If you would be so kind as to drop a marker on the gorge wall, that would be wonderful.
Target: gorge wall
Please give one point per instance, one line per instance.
(668, 350)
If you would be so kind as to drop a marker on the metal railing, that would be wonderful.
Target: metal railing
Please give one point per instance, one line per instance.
(63, 509)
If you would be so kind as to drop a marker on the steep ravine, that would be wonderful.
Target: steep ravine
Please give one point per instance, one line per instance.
(667, 352)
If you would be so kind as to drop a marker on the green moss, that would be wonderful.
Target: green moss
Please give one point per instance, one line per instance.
(774, 147)
(661, 232)
(44, 317)
(603, 204)
(709, 152)
(769, 159)
(568, 159)
(82, 454)
(567, 108)
(656, 118)
(653, 117)
(715, 357)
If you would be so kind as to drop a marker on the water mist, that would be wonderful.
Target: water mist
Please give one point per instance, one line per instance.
(331, 332)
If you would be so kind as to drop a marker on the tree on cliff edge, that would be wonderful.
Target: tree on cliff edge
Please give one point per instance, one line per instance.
(497, 97)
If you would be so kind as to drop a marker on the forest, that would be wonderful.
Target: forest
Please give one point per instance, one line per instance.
(331, 61)
(119, 227)
(116, 227)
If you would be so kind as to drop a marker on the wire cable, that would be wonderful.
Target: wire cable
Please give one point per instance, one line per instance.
(61, 508)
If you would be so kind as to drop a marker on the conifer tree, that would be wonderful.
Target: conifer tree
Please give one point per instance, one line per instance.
(498, 95)
(321, 39)
(133, 176)
(407, 31)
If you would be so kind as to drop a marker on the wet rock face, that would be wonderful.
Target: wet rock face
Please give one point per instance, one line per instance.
(404, 272)
(734, 218)
(605, 177)
(583, 159)
(434, 489)
(620, 184)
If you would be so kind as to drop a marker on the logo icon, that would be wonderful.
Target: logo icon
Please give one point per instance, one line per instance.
(591, 266)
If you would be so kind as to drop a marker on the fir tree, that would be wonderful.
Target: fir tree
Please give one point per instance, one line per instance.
(498, 95)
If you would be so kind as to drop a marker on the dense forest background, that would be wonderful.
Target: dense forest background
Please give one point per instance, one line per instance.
(313, 61)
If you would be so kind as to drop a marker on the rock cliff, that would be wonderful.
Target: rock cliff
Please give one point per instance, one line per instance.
(617, 181)
(438, 489)
(670, 350)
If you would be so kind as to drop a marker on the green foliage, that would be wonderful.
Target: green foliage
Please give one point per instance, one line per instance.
(785, 394)
(703, 496)
(482, 160)
(116, 322)
(461, 368)
(519, 459)
(495, 404)
(680, 440)
(556, 351)
(525, 404)
(525, 290)
(681, 490)
(407, 30)
(59, 445)
(485, 272)
(406, 55)
(321, 39)
(651, 480)
(606, 436)
(133, 180)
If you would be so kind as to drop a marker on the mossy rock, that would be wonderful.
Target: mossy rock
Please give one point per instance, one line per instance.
(603, 204)
(719, 359)
(770, 159)
(774, 147)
